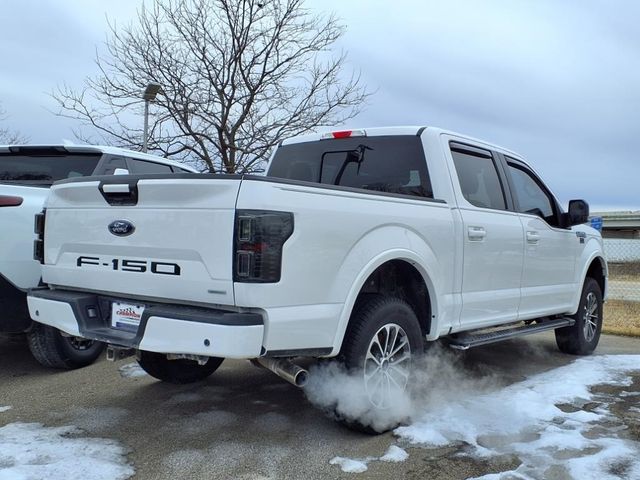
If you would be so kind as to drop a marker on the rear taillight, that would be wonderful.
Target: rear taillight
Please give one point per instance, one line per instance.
(258, 241)
(38, 244)
(10, 201)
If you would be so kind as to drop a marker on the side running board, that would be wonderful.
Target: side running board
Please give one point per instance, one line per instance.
(465, 341)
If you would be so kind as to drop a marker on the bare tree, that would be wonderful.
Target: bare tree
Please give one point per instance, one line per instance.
(237, 76)
(7, 135)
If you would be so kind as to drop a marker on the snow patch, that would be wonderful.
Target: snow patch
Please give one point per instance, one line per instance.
(30, 451)
(524, 419)
(4, 409)
(395, 454)
(132, 370)
(624, 393)
(350, 465)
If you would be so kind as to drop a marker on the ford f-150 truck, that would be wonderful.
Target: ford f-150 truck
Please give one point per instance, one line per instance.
(359, 244)
(26, 173)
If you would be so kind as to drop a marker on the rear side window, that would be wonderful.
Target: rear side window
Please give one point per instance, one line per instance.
(110, 165)
(478, 178)
(140, 167)
(393, 164)
(45, 169)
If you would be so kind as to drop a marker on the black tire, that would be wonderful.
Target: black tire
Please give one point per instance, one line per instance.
(176, 371)
(582, 338)
(52, 349)
(371, 316)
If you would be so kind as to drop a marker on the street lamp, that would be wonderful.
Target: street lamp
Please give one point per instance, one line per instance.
(149, 95)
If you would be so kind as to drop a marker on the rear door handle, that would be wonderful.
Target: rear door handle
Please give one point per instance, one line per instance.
(476, 233)
(533, 237)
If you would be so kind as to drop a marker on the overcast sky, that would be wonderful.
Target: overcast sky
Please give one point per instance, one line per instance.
(557, 81)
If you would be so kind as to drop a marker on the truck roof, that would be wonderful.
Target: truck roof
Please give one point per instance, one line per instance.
(97, 149)
(396, 130)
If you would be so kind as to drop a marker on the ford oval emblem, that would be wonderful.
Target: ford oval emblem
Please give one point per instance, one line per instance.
(121, 228)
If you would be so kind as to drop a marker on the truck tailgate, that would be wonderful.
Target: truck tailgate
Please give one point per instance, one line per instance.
(141, 233)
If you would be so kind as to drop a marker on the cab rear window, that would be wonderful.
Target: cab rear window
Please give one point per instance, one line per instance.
(43, 170)
(392, 164)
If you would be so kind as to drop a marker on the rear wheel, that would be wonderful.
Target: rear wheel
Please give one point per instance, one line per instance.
(54, 350)
(177, 371)
(380, 345)
(582, 338)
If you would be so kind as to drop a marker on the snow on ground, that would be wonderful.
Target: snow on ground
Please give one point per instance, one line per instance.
(359, 465)
(394, 454)
(4, 409)
(351, 465)
(526, 419)
(132, 370)
(31, 451)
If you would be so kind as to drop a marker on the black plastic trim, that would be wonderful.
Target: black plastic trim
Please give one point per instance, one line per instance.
(422, 129)
(299, 352)
(14, 313)
(53, 150)
(470, 149)
(471, 339)
(111, 179)
(129, 179)
(501, 166)
(203, 315)
(99, 328)
(338, 188)
(120, 198)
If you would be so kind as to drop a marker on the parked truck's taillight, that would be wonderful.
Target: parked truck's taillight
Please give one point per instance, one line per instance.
(10, 201)
(38, 244)
(258, 241)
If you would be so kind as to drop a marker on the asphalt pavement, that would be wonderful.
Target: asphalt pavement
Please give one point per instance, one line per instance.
(244, 422)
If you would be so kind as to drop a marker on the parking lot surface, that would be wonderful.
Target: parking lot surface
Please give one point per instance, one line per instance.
(244, 422)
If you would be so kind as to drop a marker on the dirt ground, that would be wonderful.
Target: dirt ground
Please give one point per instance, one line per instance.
(622, 318)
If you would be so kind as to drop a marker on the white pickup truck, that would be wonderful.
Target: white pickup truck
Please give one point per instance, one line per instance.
(26, 173)
(362, 245)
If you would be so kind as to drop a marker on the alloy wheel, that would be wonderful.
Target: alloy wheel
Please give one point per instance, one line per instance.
(387, 365)
(590, 316)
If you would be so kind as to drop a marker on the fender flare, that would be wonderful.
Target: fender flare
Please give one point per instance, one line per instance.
(402, 254)
(594, 255)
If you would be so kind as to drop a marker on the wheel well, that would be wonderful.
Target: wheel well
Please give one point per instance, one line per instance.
(400, 279)
(596, 271)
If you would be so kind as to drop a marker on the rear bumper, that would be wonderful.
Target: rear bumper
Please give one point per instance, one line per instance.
(162, 329)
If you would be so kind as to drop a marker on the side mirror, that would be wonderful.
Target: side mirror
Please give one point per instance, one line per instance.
(121, 171)
(578, 213)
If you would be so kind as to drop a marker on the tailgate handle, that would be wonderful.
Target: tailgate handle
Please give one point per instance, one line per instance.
(116, 188)
(120, 194)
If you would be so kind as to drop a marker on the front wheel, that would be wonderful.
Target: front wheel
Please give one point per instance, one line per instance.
(176, 371)
(582, 338)
(52, 349)
(382, 341)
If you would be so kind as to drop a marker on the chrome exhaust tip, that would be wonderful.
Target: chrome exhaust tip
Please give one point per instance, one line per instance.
(285, 369)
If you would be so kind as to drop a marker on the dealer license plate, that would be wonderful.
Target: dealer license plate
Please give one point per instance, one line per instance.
(126, 316)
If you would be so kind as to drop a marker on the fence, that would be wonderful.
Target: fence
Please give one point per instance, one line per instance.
(622, 310)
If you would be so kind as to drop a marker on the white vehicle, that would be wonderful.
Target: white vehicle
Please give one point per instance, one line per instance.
(26, 173)
(361, 245)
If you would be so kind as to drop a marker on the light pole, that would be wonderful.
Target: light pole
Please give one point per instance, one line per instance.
(149, 95)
